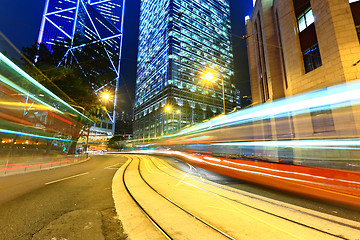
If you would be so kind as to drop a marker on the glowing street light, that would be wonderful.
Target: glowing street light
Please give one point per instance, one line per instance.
(208, 76)
(168, 108)
(106, 96)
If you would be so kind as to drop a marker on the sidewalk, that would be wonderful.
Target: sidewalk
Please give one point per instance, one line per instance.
(22, 165)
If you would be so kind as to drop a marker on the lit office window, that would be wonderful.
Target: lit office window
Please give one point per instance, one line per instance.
(309, 17)
(312, 58)
(302, 23)
(307, 35)
(305, 20)
(178, 41)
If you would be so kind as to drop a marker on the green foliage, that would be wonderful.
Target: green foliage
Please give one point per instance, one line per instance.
(117, 142)
(70, 83)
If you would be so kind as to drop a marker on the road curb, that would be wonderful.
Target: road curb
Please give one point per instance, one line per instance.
(135, 223)
(8, 174)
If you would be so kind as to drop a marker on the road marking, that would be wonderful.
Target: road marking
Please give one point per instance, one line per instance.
(112, 166)
(195, 172)
(62, 179)
(191, 167)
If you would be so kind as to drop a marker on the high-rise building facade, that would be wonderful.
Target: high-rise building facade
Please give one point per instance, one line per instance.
(92, 32)
(180, 42)
(299, 46)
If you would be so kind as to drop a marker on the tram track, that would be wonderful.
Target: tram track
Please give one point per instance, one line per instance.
(167, 234)
(152, 220)
(268, 202)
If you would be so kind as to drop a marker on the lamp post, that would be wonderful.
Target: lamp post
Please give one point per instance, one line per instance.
(172, 122)
(162, 124)
(209, 77)
(179, 112)
(169, 109)
(155, 126)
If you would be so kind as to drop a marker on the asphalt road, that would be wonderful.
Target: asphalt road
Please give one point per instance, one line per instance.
(73, 202)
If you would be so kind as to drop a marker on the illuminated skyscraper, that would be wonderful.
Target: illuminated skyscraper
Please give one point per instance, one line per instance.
(179, 42)
(92, 32)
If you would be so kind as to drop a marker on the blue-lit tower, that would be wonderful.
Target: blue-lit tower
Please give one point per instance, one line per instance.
(179, 42)
(92, 24)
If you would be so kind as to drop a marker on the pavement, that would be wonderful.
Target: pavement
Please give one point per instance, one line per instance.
(135, 224)
(80, 224)
(23, 165)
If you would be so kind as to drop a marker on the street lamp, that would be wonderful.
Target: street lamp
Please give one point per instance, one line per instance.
(179, 112)
(209, 76)
(169, 109)
(106, 96)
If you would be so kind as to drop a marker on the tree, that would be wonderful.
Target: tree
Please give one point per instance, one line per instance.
(117, 142)
(69, 82)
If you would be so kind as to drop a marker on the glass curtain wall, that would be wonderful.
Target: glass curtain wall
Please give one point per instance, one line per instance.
(179, 42)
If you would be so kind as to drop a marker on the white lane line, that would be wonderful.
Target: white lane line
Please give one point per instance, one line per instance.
(62, 179)
(191, 167)
(112, 166)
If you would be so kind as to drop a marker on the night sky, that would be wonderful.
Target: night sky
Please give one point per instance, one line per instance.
(20, 22)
